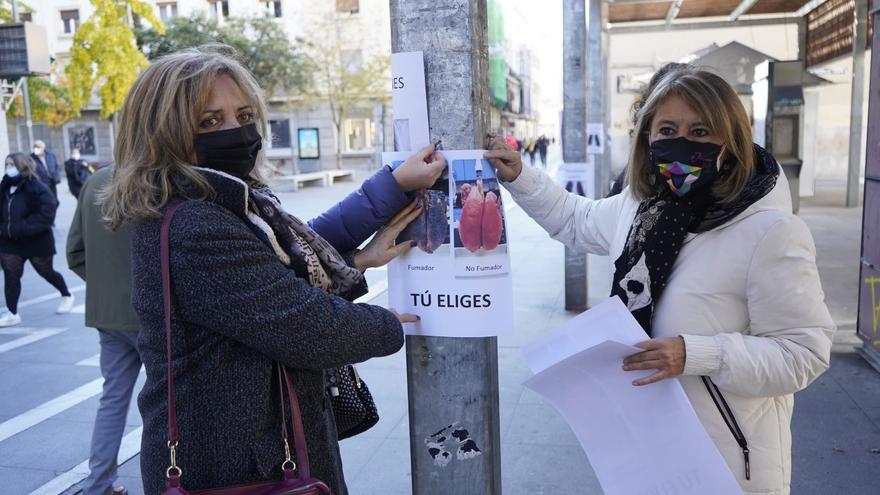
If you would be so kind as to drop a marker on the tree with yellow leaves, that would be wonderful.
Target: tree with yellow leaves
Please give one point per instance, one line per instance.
(104, 54)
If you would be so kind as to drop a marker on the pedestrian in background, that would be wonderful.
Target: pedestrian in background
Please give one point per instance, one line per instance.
(541, 146)
(102, 257)
(531, 148)
(47, 166)
(511, 140)
(710, 261)
(27, 211)
(77, 171)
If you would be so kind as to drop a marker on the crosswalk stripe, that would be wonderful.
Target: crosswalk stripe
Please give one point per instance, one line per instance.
(130, 447)
(48, 297)
(48, 409)
(91, 361)
(29, 337)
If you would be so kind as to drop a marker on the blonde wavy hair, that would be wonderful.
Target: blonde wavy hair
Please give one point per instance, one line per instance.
(156, 130)
(719, 107)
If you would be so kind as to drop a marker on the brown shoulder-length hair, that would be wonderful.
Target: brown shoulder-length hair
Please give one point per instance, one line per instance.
(721, 110)
(24, 163)
(155, 137)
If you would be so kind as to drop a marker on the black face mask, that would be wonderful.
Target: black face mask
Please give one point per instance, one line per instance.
(232, 151)
(684, 166)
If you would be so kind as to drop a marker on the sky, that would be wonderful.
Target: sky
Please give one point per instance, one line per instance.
(538, 25)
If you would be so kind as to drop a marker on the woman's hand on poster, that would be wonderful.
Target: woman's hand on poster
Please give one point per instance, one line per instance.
(667, 356)
(404, 318)
(381, 248)
(506, 160)
(421, 170)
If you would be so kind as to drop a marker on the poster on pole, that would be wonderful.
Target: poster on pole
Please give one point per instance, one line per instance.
(456, 278)
(579, 177)
(410, 102)
(595, 139)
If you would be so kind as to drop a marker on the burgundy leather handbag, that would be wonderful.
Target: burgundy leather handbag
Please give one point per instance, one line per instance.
(291, 482)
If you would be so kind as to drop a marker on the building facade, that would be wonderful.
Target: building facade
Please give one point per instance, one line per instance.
(303, 135)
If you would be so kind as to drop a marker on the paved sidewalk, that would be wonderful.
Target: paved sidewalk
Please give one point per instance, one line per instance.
(836, 426)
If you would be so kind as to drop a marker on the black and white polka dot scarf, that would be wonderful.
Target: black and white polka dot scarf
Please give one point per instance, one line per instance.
(661, 224)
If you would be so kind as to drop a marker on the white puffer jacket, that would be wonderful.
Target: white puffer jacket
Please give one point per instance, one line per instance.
(745, 297)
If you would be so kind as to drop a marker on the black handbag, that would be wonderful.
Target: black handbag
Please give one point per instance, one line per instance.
(353, 405)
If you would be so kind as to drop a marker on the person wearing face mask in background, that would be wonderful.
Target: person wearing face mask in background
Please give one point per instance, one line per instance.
(77, 171)
(27, 210)
(254, 286)
(710, 261)
(47, 166)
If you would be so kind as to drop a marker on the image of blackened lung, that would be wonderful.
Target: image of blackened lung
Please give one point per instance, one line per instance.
(430, 229)
(417, 229)
(436, 222)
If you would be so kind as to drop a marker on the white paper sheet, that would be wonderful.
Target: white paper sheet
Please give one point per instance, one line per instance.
(409, 100)
(609, 320)
(456, 291)
(639, 440)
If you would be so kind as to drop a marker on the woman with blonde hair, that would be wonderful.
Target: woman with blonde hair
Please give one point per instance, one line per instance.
(710, 261)
(27, 212)
(254, 291)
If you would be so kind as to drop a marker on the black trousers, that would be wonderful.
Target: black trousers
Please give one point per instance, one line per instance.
(13, 269)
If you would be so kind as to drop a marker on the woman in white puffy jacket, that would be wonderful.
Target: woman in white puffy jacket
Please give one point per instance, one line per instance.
(710, 260)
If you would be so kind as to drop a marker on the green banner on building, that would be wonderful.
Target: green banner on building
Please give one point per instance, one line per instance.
(497, 53)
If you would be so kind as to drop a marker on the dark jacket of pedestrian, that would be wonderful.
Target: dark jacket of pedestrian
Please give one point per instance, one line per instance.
(78, 172)
(237, 311)
(106, 265)
(47, 167)
(27, 212)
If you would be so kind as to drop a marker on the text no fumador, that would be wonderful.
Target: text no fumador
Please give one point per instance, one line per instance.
(426, 299)
(483, 268)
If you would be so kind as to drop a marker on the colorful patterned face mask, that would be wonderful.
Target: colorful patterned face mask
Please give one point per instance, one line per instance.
(683, 165)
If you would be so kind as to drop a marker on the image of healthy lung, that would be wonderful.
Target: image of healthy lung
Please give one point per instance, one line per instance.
(492, 222)
(436, 221)
(470, 224)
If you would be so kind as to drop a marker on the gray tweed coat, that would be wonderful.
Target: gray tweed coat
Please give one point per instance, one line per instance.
(237, 310)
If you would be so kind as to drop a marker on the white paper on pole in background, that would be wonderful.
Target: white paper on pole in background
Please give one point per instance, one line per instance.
(609, 320)
(410, 101)
(579, 177)
(595, 139)
(639, 440)
(456, 291)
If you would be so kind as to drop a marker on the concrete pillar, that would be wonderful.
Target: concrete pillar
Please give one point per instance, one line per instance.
(860, 37)
(574, 130)
(451, 381)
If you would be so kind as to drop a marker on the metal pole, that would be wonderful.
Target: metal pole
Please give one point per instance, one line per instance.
(574, 128)
(603, 166)
(25, 94)
(451, 381)
(860, 37)
(595, 88)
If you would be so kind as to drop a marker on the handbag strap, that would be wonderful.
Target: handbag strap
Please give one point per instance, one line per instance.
(730, 420)
(174, 472)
